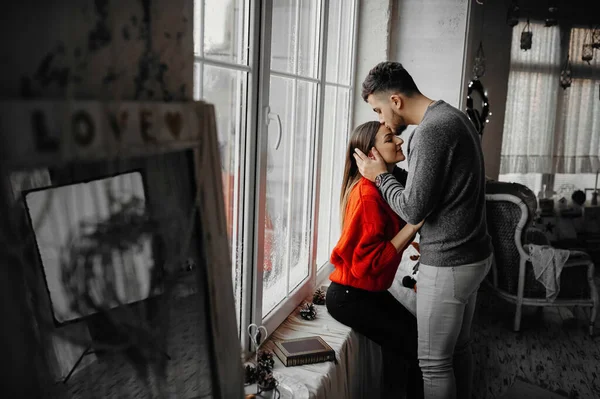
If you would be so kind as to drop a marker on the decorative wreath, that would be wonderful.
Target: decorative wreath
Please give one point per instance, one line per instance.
(478, 118)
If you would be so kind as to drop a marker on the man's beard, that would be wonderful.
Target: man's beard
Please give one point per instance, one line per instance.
(400, 129)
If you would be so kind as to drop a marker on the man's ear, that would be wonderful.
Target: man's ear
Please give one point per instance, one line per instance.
(396, 101)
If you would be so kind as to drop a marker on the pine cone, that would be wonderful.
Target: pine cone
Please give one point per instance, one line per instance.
(319, 297)
(308, 312)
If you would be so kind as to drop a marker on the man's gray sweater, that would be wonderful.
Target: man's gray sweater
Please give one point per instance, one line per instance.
(446, 187)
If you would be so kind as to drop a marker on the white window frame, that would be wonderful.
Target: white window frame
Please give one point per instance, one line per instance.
(254, 162)
(325, 269)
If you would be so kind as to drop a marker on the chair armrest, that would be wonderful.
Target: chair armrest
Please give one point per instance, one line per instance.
(579, 258)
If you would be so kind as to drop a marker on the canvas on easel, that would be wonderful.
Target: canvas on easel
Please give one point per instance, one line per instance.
(75, 229)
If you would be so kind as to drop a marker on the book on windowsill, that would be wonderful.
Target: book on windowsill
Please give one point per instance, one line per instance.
(307, 350)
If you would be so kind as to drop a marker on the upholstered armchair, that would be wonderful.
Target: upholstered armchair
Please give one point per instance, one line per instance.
(510, 211)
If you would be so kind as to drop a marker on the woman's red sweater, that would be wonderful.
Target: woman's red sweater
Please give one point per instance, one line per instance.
(364, 257)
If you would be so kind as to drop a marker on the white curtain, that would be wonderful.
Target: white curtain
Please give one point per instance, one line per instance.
(577, 148)
(548, 129)
(533, 86)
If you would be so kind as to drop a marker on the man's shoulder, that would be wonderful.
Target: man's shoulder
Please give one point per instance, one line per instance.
(442, 123)
(443, 113)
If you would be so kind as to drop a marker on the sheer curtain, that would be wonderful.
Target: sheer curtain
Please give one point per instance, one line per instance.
(533, 88)
(577, 138)
(547, 129)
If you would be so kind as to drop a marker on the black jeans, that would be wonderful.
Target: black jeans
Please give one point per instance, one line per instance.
(381, 318)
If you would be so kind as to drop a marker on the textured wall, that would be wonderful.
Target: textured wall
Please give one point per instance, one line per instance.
(373, 41)
(96, 49)
(428, 38)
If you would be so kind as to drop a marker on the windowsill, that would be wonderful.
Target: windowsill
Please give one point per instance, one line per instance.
(358, 369)
(358, 359)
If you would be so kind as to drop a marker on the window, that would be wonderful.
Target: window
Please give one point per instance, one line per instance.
(221, 68)
(339, 92)
(566, 184)
(280, 75)
(577, 139)
(550, 133)
(533, 89)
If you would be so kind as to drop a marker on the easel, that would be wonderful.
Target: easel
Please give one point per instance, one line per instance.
(111, 332)
(88, 351)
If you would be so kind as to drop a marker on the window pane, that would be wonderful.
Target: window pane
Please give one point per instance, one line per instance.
(340, 36)
(333, 40)
(326, 197)
(566, 184)
(545, 50)
(579, 37)
(308, 34)
(342, 134)
(288, 192)
(225, 30)
(577, 139)
(226, 89)
(198, 26)
(197, 80)
(301, 197)
(533, 87)
(333, 155)
(294, 42)
(283, 37)
(345, 43)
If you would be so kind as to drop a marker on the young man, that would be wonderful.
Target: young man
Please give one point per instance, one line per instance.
(446, 187)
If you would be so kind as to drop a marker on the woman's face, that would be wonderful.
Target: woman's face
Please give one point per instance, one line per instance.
(389, 146)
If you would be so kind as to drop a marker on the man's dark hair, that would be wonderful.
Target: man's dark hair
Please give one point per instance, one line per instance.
(389, 76)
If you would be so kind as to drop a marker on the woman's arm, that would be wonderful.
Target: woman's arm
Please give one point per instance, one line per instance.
(405, 236)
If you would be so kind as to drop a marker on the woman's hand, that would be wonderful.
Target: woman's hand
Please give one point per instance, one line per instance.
(405, 236)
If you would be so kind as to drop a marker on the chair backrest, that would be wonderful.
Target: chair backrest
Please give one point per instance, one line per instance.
(510, 208)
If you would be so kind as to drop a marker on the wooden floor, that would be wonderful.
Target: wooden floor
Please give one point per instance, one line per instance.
(553, 351)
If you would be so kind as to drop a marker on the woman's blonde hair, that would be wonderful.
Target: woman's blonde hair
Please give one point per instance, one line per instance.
(363, 138)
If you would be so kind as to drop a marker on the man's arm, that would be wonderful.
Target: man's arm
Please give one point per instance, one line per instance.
(401, 175)
(429, 167)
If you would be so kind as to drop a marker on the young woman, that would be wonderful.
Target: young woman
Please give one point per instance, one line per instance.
(366, 259)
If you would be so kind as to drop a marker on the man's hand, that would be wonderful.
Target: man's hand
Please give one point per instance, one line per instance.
(368, 167)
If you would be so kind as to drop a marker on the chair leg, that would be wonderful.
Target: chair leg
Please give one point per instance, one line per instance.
(593, 318)
(517, 324)
(594, 297)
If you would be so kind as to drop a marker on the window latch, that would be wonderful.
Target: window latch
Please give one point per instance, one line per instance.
(274, 116)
